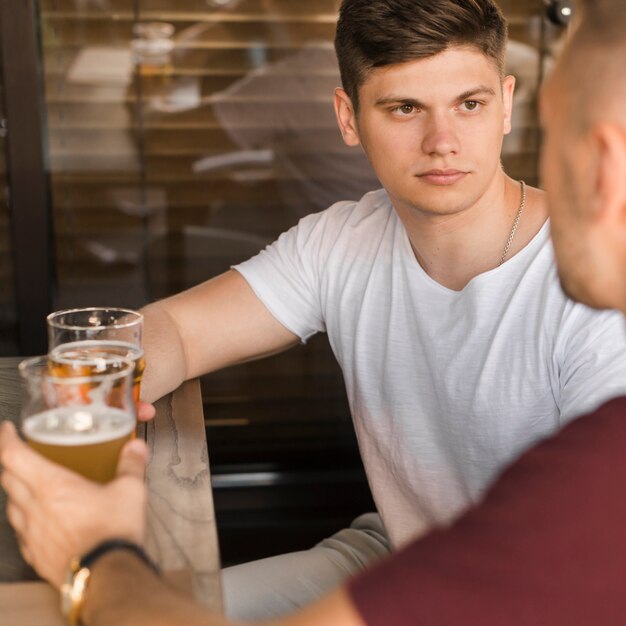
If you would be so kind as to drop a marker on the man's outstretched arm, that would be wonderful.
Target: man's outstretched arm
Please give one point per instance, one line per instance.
(58, 515)
(123, 591)
(218, 323)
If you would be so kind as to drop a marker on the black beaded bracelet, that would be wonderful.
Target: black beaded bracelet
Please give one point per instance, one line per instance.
(101, 549)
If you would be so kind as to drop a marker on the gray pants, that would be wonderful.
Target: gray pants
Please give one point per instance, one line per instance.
(273, 587)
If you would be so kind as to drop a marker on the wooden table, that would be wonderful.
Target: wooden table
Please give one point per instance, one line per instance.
(182, 536)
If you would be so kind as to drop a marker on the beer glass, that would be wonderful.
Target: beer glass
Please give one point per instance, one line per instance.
(81, 340)
(78, 421)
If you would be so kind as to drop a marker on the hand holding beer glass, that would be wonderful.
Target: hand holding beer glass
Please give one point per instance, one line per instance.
(79, 420)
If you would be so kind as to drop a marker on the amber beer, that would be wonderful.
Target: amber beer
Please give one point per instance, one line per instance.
(95, 357)
(86, 439)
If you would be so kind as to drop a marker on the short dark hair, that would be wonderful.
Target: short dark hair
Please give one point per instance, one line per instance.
(376, 33)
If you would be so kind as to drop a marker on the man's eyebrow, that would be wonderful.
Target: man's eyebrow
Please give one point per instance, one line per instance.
(399, 100)
(476, 91)
(470, 93)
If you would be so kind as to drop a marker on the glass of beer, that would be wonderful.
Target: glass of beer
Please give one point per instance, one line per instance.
(81, 340)
(79, 421)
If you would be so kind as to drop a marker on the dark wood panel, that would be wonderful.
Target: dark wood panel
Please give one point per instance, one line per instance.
(175, 197)
(165, 7)
(28, 198)
(66, 113)
(217, 34)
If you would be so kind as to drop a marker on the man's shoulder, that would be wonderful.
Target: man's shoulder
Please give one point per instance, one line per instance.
(349, 217)
(373, 202)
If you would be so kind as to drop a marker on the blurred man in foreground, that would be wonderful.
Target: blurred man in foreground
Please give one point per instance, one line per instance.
(546, 546)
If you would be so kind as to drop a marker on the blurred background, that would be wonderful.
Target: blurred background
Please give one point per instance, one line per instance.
(147, 145)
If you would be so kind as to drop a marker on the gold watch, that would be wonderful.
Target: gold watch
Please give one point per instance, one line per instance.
(73, 592)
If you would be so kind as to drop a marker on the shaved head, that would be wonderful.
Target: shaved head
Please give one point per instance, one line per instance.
(593, 63)
(583, 107)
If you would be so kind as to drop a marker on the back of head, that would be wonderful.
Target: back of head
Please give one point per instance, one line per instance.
(375, 33)
(602, 21)
(593, 62)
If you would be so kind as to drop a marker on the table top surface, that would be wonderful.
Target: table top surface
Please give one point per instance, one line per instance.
(181, 533)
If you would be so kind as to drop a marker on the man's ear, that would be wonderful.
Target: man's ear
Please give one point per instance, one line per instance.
(346, 118)
(610, 190)
(508, 88)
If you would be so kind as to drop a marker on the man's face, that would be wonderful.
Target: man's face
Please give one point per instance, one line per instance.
(565, 172)
(433, 129)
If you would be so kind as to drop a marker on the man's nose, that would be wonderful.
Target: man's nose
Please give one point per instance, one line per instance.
(440, 136)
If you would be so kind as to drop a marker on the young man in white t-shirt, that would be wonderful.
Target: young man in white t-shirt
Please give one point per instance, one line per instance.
(438, 293)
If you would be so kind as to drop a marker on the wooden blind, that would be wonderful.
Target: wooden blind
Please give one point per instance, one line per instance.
(144, 170)
(184, 135)
(171, 123)
(172, 155)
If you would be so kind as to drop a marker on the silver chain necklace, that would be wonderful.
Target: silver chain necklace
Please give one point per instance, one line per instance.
(515, 223)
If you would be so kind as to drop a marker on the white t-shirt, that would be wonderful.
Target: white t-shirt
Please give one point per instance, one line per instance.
(445, 387)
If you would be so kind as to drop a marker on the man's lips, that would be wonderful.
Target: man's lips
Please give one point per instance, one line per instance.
(442, 177)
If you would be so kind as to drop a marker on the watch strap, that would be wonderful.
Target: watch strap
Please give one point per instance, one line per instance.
(88, 559)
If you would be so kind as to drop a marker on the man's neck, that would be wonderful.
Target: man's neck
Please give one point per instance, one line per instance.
(455, 248)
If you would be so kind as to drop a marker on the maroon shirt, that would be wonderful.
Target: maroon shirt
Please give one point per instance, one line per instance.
(547, 547)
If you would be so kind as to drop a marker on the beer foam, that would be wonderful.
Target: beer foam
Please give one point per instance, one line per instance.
(79, 425)
(94, 352)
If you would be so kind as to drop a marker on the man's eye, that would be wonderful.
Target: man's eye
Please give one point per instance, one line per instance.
(404, 109)
(471, 105)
